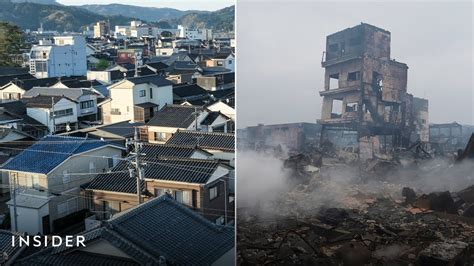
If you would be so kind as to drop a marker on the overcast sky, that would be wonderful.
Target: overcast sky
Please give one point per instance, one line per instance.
(280, 46)
(210, 5)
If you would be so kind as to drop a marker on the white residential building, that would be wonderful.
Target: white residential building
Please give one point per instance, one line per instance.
(66, 57)
(58, 113)
(195, 34)
(137, 99)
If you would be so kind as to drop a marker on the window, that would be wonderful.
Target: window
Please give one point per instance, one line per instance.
(353, 76)
(87, 104)
(110, 162)
(115, 111)
(142, 93)
(230, 62)
(35, 181)
(11, 96)
(213, 193)
(334, 81)
(151, 93)
(159, 192)
(188, 197)
(220, 63)
(160, 136)
(92, 167)
(178, 195)
(66, 177)
(333, 47)
(65, 112)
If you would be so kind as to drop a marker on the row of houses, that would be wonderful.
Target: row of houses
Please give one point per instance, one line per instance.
(70, 143)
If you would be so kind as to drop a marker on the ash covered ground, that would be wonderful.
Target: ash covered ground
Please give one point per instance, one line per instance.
(330, 208)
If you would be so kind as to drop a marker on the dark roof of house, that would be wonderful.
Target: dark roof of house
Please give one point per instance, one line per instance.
(146, 105)
(205, 140)
(223, 94)
(214, 70)
(6, 248)
(75, 258)
(5, 79)
(42, 101)
(186, 170)
(220, 55)
(158, 228)
(27, 84)
(210, 118)
(125, 128)
(188, 90)
(163, 150)
(49, 152)
(4, 70)
(153, 79)
(15, 107)
(177, 116)
(81, 83)
(157, 65)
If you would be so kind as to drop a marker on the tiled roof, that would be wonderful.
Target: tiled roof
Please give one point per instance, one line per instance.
(5, 79)
(186, 170)
(70, 93)
(163, 150)
(27, 84)
(153, 79)
(177, 116)
(124, 129)
(155, 230)
(42, 101)
(49, 152)
(210, 118)
(188, 90)
(205, 140)
(6, 248)
(175, 232)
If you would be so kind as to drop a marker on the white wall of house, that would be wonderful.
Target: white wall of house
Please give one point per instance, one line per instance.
(43, 115)
(103, 76)
(165, 51)
(29, 219)
(10, 91)
(125, 95)
(223, 108)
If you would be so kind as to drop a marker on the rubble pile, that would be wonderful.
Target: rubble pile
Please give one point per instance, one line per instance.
(384, 231)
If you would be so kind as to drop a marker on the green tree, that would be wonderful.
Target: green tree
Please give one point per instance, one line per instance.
(11, 42)
(102, 64)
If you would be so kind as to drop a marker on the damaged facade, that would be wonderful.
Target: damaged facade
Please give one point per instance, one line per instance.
(365, 97)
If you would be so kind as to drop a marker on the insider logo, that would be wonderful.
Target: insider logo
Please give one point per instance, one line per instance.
(45, 241)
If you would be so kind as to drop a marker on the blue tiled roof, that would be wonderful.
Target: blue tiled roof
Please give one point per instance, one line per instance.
(49, 152)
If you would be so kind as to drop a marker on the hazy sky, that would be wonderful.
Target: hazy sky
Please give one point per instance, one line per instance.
(178, 4)
(280, 45)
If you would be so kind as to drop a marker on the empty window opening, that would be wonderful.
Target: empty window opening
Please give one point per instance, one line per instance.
(336, 111)
(353, 76)
(377, 79)
(351, 107)
(334, 81)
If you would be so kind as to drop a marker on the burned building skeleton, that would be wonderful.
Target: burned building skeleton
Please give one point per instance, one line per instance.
(369, 193)
(365, 92)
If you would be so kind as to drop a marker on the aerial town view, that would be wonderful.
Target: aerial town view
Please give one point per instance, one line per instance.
(359, 148)
(117, 133)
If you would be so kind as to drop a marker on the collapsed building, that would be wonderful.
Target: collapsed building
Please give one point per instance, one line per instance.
(365, 99)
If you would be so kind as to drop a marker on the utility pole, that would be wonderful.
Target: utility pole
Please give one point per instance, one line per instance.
(137, 170)
(15, 213)
(53, 116)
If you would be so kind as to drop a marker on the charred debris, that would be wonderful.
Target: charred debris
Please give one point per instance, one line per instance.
(368, 187)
